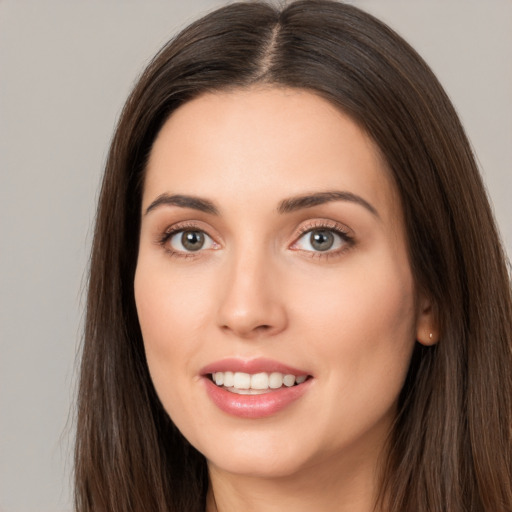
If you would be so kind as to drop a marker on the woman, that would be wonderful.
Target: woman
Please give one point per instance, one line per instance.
(297, 294)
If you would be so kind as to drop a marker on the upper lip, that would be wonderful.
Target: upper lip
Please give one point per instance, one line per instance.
(251, 366)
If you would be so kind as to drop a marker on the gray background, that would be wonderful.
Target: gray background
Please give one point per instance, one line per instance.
(65, 69)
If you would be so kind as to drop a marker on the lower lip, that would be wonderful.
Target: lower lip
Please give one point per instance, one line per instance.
(254, 406)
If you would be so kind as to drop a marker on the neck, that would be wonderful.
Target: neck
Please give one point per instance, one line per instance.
(321, 487)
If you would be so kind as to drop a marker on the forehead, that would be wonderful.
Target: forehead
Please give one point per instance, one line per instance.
(261, 144)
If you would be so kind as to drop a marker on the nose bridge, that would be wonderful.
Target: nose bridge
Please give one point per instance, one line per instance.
(251, 303)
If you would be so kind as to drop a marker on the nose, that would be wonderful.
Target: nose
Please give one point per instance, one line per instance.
(252, 302)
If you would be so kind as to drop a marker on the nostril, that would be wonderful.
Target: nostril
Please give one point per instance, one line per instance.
(263, 329)
(258, 330)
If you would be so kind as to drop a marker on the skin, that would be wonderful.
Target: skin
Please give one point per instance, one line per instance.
(349, 316)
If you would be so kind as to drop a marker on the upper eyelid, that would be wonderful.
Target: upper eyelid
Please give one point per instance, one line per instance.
(183, 226)
(192, 225)
(323, 224)
(302, 229)
(163, 236)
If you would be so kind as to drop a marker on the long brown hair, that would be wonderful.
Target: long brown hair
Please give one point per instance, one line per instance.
(451, 447)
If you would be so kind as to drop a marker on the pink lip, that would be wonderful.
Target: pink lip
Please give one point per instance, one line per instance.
(251, 366)
(253, 406)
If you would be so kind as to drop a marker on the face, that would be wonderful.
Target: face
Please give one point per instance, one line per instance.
(273, 260)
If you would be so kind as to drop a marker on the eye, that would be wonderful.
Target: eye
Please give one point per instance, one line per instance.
(190, 240)
(321, 240)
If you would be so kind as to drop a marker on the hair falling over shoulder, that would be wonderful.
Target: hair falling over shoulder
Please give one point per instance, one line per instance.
(451, 446)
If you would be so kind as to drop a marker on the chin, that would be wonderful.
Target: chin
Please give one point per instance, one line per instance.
(262, 467)
(257, 456)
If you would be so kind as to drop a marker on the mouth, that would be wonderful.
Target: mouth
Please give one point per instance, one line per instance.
(243, 383)
(255, 388)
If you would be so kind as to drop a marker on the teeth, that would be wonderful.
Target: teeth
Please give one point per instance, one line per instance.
(259, 381)
(275, 380)
(229, 379)
(241, 380)
(289, 380)
(246, 382)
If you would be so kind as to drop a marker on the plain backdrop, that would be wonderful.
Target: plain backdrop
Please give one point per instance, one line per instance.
(65, 69)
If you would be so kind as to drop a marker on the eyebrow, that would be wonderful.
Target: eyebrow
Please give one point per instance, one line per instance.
(195, 203)
(309, 200)
(289, 205)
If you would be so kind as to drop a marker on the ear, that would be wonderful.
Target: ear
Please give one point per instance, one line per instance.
(427, 323)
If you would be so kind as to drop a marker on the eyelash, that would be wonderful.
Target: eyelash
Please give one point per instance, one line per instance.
(170, 232)
(333, 227)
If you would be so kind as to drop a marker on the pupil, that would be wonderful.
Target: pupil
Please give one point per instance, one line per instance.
(321, 240)
(192, 240)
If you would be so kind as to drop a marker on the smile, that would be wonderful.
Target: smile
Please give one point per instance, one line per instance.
(256, 388)
(257, 383)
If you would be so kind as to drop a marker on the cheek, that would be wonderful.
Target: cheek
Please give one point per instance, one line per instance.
(168, 303)
(361, 332)
(170, 316)
(171, 313)
(363, 321)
